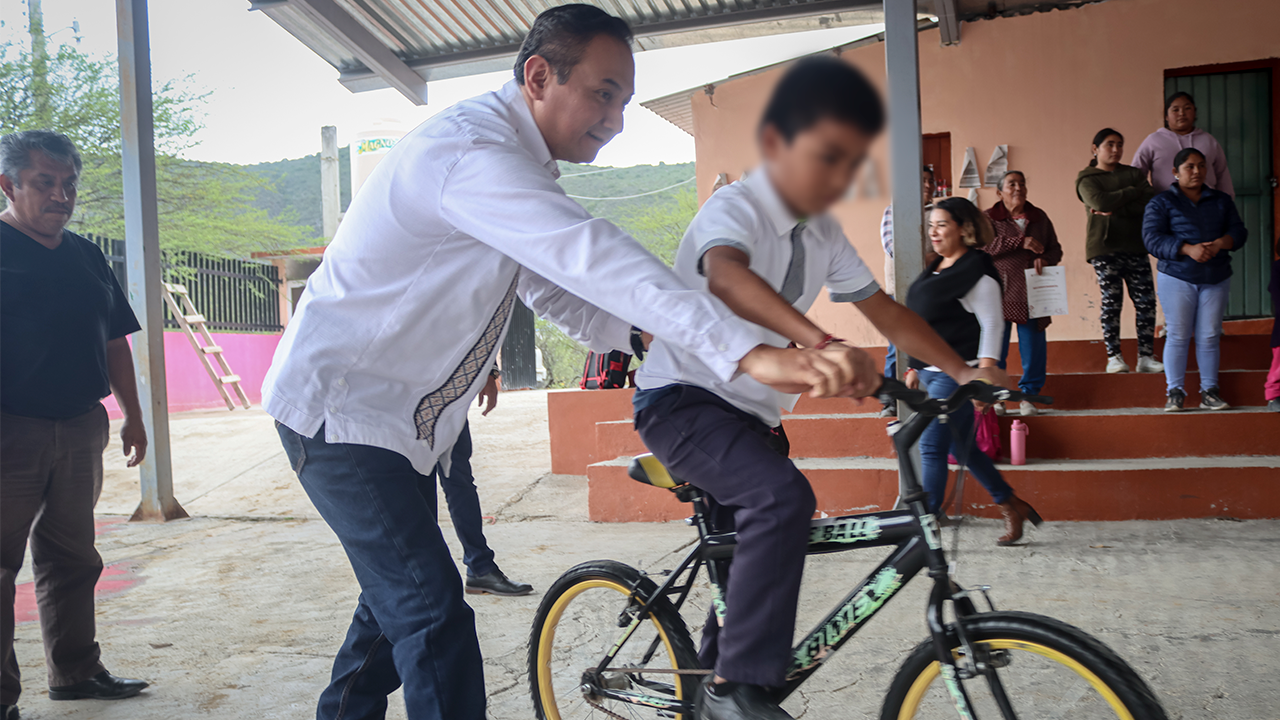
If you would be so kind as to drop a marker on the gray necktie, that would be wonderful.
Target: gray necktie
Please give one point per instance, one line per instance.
(793, 284)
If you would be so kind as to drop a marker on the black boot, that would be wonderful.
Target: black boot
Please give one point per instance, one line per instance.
(737, 701)
(496, 583)
(8, 712)
(103, 686)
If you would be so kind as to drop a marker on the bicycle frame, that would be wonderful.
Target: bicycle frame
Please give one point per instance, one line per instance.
(914, 534)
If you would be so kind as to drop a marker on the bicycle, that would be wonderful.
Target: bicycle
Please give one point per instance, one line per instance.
(607, 639)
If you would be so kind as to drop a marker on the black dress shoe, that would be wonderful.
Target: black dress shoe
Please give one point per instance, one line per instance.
(737, 701)
(496, 583)
(103, 686)
(8, 712)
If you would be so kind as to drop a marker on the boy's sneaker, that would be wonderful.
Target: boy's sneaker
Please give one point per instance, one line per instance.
(1274, 405)
(737, 701)
(1116, 364)
(1148, 364)
(1175, 401)
(1211, 399)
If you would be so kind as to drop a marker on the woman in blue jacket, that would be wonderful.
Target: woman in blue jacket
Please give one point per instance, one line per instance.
(1191, 228)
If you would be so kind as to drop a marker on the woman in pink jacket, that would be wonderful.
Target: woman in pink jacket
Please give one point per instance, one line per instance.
(1155, 155)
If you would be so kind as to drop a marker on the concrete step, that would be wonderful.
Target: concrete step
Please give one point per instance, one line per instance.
(1096, 391)
(1077, 490)
(1239, 352)
(1053, 435)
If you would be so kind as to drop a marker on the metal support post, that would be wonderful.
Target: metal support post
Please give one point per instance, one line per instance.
(906, 154)
(142, 240)
(330, 197)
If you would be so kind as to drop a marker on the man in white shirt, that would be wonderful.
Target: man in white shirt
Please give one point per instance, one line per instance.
(398, 328)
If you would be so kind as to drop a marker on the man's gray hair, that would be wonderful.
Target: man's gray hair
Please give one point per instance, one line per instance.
(15, 151)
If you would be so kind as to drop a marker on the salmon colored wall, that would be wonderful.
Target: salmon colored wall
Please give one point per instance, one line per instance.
(1043, 84)
(188, 383)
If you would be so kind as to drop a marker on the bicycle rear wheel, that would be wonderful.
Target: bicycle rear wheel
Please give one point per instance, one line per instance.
(580, 618)
(1042, 669)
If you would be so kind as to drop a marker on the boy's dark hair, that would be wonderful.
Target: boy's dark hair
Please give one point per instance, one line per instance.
(560, 35)
(1182, 156)
(1169, 101)
(1101, 137)
(820, 87)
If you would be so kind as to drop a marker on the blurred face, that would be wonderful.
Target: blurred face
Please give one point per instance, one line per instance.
(1013, 193)
(582, 115)
(1110, 151)
(815, 169)
(1181, 116)
(945, 234)
(927, 187)
(45, 195)
(1190, 174)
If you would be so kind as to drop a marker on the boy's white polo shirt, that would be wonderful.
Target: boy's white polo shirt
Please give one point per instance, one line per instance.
(750, 216)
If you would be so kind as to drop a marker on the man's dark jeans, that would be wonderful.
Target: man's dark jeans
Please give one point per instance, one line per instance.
(460, 494)
(411, 624)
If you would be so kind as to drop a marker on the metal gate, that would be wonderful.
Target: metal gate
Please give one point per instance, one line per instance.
(1235, 107)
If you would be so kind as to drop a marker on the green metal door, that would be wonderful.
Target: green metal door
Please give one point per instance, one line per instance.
(1236, 109)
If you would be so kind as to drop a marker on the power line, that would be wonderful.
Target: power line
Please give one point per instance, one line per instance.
(628, 197)
(590, 172)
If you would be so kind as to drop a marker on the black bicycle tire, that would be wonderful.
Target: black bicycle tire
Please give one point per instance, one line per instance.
(1073, 642)
(662, 611)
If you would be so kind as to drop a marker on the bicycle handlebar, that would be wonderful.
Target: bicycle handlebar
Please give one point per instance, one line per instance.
(919, 400)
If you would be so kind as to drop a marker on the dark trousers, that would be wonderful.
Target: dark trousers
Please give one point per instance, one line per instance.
(939, 440)
(733, 457)
(460, 495)
(411, 624)
(1033, 347)
(50, 477)
(1114, 273)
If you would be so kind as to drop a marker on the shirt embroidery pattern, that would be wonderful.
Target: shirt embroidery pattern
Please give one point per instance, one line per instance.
(433, 404)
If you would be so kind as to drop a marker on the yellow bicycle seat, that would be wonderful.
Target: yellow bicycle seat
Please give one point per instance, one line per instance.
(648, 470)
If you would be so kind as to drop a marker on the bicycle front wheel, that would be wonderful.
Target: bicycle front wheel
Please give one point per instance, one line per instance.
(1038, 668)
(581, 617)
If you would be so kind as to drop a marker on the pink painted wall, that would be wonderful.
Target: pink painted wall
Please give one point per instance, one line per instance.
(1043, 84)
(248, 354)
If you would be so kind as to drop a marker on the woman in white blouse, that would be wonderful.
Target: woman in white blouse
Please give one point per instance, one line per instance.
(959, 295)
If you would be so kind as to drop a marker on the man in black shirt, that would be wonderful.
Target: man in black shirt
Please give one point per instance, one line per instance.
(63, 323)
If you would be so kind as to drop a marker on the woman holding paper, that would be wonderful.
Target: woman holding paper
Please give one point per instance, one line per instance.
(1192, 228)
(1115, 196)
(1024, 240)
(958, 294)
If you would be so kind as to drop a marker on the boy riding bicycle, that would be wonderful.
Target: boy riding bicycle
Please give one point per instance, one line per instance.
(766, 246)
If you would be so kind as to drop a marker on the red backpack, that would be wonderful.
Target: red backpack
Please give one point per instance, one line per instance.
(605, 371)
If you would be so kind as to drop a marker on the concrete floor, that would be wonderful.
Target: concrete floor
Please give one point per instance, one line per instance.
(235, 613)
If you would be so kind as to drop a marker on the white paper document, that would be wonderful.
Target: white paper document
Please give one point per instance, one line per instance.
(969, 176)
(998, 164)
(1047, 293)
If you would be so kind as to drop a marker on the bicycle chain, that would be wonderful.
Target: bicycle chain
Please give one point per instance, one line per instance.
(596, 704)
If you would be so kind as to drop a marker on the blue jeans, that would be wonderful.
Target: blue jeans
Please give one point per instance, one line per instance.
(937, 442)
(1034, 351)
(464, 507)
(1191, 310)
(411, 623)
(891, 362)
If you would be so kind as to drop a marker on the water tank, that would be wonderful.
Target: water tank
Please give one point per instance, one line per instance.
(368, 148)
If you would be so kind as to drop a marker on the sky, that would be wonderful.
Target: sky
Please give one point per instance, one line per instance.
(270, 94)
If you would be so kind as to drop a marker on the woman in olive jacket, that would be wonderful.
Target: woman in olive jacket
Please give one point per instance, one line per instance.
(1115, 196)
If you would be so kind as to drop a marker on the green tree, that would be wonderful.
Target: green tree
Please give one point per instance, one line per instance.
(206, 207)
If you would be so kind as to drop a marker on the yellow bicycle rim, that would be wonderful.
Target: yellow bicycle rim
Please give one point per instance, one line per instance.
(911, 704)
(548, 635)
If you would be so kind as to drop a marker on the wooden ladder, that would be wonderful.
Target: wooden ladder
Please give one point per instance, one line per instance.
(191, 322)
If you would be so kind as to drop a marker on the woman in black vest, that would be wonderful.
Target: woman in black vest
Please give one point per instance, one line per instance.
(959, 295)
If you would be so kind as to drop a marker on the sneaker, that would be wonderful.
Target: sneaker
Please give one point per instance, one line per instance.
(1175, 401)
(1028, 409)
(1116, 364)
(737, 701)
(1148, 364)
(1000, 409)
(1211, 399)
(1274, 405)
(889, 411)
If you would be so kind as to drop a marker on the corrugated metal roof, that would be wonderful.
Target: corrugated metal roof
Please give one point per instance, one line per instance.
(437, 39)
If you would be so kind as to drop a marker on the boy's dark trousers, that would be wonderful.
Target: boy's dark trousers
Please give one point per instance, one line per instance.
(740, 462)
(460, 494)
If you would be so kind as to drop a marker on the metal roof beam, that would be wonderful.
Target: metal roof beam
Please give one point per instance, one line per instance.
(948, 21)
(347, 31)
